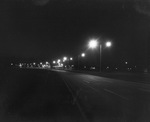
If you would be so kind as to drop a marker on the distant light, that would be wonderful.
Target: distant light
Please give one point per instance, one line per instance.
(92, 68)
(71, 59)
(11, 63)
(84, 66)
(34, 63)
(116, 68)
(72, 65)
(54, 62)
(93, 43)
(40, 63)
(129, 68)
(108, 44)
(20, 65)
(65, 58)
(47, 62)
(83, 54)
(43, 66)
(58, 61)
(62, 65)
(107, 67)
(126, 62)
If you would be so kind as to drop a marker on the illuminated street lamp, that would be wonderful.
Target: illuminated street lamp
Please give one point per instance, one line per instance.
(94, 43)
(71, 58)
(58, 61)
(83, 55)
(54, 62)
(64, 59)
(108, 44)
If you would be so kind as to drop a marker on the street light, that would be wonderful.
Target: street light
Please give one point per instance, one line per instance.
(71, 58)
(54, 62)
(58, 61)
(65, 58)
(94, 43)
(108, 44)
(83, 55)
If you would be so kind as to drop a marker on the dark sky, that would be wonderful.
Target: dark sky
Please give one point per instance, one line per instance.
(46, 29)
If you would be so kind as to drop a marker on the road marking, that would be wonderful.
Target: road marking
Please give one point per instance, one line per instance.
(86, 81)
(116, 94)
(58, 70)
(77, 103)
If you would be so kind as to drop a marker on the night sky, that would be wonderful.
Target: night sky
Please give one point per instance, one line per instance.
(48, 29)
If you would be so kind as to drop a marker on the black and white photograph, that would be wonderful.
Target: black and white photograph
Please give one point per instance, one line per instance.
(74, 60)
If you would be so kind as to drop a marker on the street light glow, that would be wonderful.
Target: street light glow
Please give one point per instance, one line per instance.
(71, 59)
(65, 58)
(20, 65)
(83, 54)
(58, 61)
(93, 43)
(54, 62)
(108, 44)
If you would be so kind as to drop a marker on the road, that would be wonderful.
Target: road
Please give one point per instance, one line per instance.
(60, 96)
(106, 99)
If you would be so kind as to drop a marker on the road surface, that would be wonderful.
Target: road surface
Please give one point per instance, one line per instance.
(60, 96)
(105, 99)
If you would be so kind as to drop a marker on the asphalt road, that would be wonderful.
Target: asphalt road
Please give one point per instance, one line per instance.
(106, 100)
(36, 95)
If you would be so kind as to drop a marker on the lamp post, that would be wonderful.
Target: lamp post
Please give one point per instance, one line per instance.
(93, 44)
(70, 61)
(82, 55)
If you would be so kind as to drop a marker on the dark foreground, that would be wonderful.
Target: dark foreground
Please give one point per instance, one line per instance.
(36, 95)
